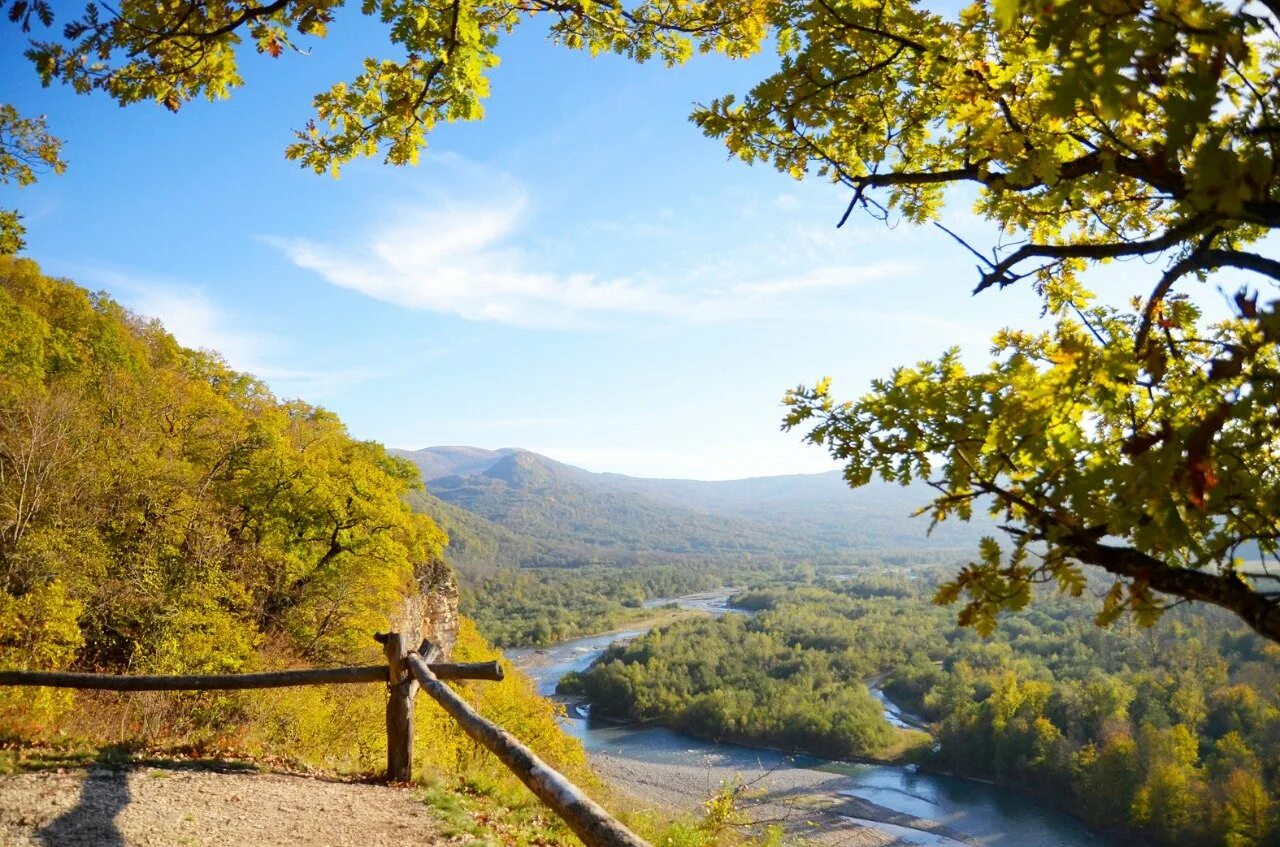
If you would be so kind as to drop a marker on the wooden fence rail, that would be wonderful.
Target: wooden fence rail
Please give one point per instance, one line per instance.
(229, 682)
(584, 816)
(406, 670)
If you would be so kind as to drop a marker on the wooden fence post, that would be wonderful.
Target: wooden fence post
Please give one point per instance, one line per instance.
(401, 686)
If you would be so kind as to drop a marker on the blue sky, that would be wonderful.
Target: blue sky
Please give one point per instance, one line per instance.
(582, 273)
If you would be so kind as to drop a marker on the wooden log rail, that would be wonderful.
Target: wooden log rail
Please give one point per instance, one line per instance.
(230, 682)
(405, 671)
(588, 820)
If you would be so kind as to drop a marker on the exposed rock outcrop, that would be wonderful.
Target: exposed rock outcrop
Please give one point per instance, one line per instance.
(433, 611)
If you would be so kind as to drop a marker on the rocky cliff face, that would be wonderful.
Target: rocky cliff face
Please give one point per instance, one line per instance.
(432, 612)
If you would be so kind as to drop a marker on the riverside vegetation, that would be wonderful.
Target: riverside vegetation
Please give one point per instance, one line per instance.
(519, 607)
(162, 513)
(1170, 734)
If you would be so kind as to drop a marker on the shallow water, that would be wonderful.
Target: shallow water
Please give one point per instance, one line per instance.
(983, 814)
(892, 713)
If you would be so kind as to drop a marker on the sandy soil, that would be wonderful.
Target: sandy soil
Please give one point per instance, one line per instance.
(151, 807)
(804, 802)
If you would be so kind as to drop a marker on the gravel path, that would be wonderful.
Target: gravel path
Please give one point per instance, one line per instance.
(186, 807)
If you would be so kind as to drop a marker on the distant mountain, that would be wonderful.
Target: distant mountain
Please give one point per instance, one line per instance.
(435, 462)
(514, 505)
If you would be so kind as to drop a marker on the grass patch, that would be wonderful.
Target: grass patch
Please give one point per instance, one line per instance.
(908, 745)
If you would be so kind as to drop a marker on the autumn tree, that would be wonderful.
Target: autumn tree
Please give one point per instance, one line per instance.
(1138, 438)
(26, 151)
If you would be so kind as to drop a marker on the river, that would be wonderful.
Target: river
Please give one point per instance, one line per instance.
(887, 804)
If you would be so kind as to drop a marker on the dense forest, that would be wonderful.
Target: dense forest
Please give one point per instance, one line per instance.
(1171, 733)
(539, 606)
(162, 512)
(532, 606)
(730, 681)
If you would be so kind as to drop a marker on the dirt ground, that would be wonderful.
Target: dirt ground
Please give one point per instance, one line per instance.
(189, 807)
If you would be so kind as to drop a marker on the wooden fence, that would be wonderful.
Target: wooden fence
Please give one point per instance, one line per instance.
(407, 670)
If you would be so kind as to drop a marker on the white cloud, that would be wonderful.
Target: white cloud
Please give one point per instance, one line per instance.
(465, 259)
(820, 278)
(459, 260)
(196, 321)
(189, 315)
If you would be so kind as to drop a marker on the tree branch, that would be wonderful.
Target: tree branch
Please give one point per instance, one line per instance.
(1202, 260)
(1000, 274)
(1228, 591)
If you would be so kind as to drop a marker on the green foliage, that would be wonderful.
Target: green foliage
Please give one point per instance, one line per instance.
(1077, 123)
(1090, 133)
(38, 631)
(160, 512)
(1152, 730)
(543, 606)
(26, 150)
(443, 49)
(1065, 441)
(1170, 733)
(772, 680)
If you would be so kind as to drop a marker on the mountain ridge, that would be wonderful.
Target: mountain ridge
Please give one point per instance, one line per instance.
(513, 506)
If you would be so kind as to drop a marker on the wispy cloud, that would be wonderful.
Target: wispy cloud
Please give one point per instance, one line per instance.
(467, 259)
(191, 316)
(460, 260)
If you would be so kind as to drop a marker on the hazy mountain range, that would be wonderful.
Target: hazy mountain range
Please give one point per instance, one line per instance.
(512, 506)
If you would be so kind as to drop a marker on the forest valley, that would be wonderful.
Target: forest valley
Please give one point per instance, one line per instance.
(1170, 734)
(1116, 648)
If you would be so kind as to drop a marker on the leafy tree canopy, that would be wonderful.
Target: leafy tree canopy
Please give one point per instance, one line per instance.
(1139, 439)
(26, 150)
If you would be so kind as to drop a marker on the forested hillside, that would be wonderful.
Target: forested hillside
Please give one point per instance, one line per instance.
(568, 516)
(162, 513)
(548, 551)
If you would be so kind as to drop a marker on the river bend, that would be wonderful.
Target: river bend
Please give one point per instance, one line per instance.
(910, 807)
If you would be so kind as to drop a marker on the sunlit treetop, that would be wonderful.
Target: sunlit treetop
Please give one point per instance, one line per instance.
(1091, 130)
(1140, 440)
(433, 66)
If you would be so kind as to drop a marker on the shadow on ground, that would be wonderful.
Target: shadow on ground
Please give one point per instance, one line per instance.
(104, 794)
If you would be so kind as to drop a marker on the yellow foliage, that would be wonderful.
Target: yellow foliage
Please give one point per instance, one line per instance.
(37, 631)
